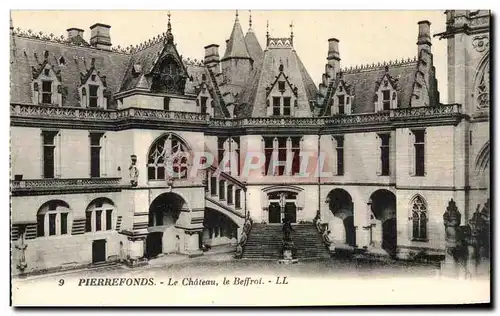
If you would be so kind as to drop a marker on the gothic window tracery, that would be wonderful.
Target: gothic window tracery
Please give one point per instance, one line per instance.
(482, 89)
(169, 78)
(168, 158)
(419, 219)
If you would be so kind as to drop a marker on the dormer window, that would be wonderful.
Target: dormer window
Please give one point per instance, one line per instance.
(46, 72)
(93, 96)
(276, 106)
(286, 106)
(46, 92)
(386, 100)
(203, 105)
(341, 104)
(93, 90)
(386, 95)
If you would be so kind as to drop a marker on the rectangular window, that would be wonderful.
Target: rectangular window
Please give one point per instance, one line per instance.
(295, 155)
(166, 103)
(282, 155)
(340, 155)
(384, 154)
(222, 190)
(64, 223)
(213, 186)
(40, 226)
(276, 106)
(268, 152)
(109, 219)
(46, 92)
(287, 106)
(48, 153)
(93, 96)
(419, 152)
(88, 222)
(341, 104)
(204, 105)
(237, 198)
(281, 86)
(386, 99)
(95, 154)
(98, 221)
(52, 224)
(230, 194)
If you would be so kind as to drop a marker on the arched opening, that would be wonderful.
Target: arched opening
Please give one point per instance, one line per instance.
(168, 158)
(482, 168)
(218, 229)
(100, 215)
(53, 218)
(419, 218)
(384, 227)
(342, 226)
(163, 236)
(282, 206)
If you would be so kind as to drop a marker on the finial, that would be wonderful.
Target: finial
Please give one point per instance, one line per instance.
(237, 19)
(250, 19)
(169, 26)
(291, 29)
(170, 36)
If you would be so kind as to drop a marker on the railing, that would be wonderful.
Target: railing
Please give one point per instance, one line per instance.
(51, 112)
(82, 114)
(41, 184)
(225, 190)
(242, 240)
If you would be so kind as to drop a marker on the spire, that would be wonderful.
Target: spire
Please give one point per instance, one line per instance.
(253, 46)
(170, 36)
(236, 46)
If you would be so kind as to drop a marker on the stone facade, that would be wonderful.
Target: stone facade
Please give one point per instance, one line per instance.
(384, 155)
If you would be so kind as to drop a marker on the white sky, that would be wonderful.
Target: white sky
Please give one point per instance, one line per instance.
(365, 36)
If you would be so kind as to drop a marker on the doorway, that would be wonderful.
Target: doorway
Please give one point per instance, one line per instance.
(291, 212)
(274, 213)
(154, 245)
(99, 251)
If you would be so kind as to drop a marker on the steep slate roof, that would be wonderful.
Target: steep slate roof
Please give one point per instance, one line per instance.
(236, 46)
(364, 83)
(77, 60)
(252, 100)
(253, 46)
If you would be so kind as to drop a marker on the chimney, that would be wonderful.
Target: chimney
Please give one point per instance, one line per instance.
(424, 36)
(74, 32)
(333, 58)
(99, 36)
(211, 55)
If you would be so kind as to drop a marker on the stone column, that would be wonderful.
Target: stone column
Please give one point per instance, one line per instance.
(191, 243)
(451, 220)
(365, 234)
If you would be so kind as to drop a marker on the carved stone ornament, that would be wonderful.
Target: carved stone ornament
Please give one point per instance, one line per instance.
(481, 43)
(452, 216)
(133, 171)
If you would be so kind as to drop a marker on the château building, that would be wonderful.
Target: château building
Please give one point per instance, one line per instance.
(107, 144)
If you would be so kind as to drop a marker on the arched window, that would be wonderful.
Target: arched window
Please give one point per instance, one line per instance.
(168, 158)
(419, 219)
(482, 88)
(53, 219)
(99, 215)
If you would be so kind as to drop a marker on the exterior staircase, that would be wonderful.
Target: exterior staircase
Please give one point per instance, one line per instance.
(265, 241)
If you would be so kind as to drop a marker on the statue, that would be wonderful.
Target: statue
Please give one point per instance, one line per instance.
(22, 265)
(133, 171)
(287, 229)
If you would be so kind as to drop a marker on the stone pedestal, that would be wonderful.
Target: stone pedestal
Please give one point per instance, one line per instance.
(192, 243)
